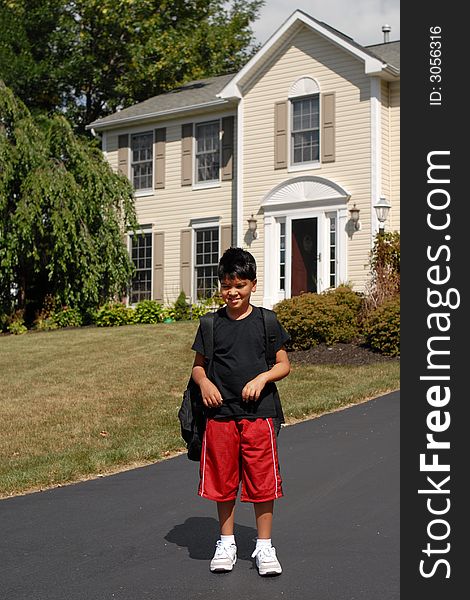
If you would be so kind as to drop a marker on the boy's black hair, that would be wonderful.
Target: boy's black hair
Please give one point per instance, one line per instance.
(236, 262)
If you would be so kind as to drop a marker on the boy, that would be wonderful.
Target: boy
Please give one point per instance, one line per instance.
(239, 395)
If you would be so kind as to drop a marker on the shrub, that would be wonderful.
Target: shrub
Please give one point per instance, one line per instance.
(181, 308)
(384, 283)
(311, 319)
(148, 311)
(111, 315)
(66, 317)
(382, 328)
(15, 323)
(4, 321)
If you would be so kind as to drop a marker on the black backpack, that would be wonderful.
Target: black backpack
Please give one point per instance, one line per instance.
(191, 413)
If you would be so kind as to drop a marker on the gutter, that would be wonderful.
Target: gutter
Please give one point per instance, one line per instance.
(150, 116)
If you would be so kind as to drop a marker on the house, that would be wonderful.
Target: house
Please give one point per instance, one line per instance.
(272, 158)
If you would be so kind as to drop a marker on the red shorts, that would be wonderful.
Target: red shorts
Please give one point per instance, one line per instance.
(239, 450)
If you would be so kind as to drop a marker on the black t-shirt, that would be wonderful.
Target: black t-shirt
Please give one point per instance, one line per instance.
(239, 356)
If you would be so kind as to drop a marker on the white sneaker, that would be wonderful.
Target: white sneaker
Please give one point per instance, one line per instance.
(224, 558)
(266, 560)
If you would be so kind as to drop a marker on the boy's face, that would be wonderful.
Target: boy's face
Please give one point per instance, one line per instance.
(236, 292)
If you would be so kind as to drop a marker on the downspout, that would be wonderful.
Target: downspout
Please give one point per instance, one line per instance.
(239, 201)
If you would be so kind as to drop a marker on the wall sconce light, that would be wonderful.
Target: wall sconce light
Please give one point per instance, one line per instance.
(354, 216)
(253, 226)
(382, 208)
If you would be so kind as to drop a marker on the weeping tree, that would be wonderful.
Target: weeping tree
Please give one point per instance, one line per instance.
(62, 215)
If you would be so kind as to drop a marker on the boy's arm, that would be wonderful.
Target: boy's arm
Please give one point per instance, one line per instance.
(211, 396)
(281, 369)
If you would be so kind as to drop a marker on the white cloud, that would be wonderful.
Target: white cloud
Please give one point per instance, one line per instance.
(360, 19)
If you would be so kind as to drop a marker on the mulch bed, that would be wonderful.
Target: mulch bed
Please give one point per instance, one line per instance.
(338, 354)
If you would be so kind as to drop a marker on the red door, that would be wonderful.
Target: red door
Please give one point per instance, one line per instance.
(304, 256)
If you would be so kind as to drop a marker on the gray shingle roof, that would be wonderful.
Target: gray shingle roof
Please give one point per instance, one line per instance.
(389, 52)
(203, 92)
(194, 93)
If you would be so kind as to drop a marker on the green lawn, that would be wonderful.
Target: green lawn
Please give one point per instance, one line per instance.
(80, 402)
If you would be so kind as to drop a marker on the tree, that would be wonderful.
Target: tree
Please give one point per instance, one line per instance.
(62, 215)
(91, 57)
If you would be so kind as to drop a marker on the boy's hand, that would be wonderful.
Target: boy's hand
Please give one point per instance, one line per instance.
(253, 388)
(211, 396)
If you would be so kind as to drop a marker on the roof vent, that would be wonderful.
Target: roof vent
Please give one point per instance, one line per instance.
(386, 31)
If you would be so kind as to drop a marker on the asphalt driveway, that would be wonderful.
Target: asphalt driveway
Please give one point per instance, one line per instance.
(145, 534)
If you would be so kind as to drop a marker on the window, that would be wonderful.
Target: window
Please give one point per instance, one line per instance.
(332, 252)
(141, 254)
(207, 260)
(142, 159)
(305, 130)
(207, 152)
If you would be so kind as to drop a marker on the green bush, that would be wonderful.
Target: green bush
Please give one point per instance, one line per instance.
(181, 308)
(17, 327)
(382, 328)
(148, 311)
(66, 317)
(312, 319)
(112, 315)
(14, 323)
(3, 322)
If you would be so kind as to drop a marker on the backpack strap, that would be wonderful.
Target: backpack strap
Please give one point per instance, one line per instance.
(270, 325)
(207, 331)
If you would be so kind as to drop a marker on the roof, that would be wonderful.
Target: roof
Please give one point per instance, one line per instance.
(389, 52)
(200, 93)
(214, 91)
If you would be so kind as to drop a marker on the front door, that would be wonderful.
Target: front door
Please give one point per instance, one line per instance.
(304, 256)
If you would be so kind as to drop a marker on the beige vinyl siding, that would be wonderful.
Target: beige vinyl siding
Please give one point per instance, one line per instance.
(335, 71)
(112, 148)
(171, 209)
(395, 153)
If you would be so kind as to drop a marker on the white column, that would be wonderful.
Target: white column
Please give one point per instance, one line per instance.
(269, 292)
(239, 201)
(342, 241)
(376, 151)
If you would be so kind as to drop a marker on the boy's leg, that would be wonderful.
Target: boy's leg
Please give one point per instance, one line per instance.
(265, 554)
(264, 518)
(226, 511)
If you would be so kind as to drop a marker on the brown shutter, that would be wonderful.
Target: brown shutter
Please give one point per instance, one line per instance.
(225, 238)
(158, 261)
(328, 128)
(280, 135)
(187, 154)
(185, 254)
(159, 153)
(227, 148)
(123, 154)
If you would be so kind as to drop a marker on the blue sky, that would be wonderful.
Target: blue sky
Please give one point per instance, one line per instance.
(360, 19)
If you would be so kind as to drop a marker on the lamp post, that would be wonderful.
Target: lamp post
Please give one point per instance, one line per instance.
(382, 208)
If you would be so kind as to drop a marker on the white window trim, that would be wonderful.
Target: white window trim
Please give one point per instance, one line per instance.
(200, 223)
(203, 185)
(304, 166)
(143, 191)
(144, 229)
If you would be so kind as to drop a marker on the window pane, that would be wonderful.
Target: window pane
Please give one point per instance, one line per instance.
(207, 260)
(141, 285)
(142, 160)
(207, 151)
(305, 130)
